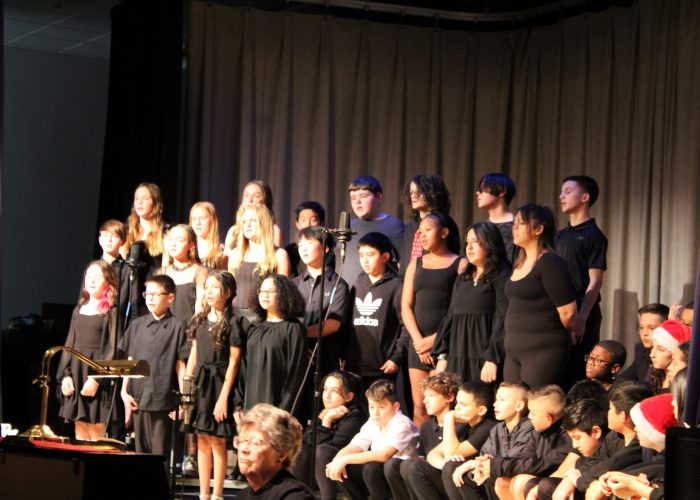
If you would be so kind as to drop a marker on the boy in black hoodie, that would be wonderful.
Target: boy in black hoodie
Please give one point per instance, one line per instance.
(374, 349)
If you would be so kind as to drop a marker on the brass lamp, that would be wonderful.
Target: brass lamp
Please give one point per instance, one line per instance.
(97, 369)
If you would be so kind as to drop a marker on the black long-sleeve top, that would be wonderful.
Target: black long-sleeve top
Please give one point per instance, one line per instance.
(544, 453)
(611, 455)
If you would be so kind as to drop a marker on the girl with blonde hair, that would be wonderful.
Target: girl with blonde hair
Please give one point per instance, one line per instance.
(205, 222)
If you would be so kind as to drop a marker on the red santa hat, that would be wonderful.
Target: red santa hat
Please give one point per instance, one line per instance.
(671, 334)
(652, 416)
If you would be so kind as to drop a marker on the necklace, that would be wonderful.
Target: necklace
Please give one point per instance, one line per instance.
(210, 324)
(180, 269)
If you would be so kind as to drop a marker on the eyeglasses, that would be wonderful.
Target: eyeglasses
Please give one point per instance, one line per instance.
(596, 361)
(153, 295)
(253, 444)
(267, 293)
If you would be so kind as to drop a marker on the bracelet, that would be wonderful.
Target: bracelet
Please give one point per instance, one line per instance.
(442, 357)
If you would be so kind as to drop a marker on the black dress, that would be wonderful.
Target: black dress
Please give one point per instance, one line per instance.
(276, 362)
(88, 334)
(537, 344)
(432, 292)
(210, 373)
(472, 332)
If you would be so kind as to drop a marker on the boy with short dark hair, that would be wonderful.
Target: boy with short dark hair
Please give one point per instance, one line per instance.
(605, 361)
(307, 214)
(359, 467)
(587, 425)
(509, 438)
(584, 246)
(374, 348)
(366, 199)
(475, 408)
(160, 339)
(651, 316)
(414, 477)
(335, 301)
(111, 237)
(548, 446)
(494, 193)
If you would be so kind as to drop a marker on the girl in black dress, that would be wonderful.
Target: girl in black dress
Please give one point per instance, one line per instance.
(425, 299)
(276, 348)
(470, 339)
(205, 222)
(426, 193)
(181, 262)
(93, 331)
(541, 313)
(214, 361)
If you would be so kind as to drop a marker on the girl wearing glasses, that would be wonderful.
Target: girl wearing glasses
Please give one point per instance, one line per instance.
(276, 348)
(214, 361)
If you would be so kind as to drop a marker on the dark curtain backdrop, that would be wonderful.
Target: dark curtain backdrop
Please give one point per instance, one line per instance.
(142, 133)
(308, 102)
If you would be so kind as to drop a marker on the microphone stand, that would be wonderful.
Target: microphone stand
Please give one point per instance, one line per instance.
(317, 372)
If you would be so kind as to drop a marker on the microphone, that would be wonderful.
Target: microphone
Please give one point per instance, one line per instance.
(187, 397)
(343, 233)
(134, 260)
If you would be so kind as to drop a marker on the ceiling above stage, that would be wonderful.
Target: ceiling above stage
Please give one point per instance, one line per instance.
(71, 27)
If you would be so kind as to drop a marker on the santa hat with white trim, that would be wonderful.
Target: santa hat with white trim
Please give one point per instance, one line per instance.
(671, 334)
(653, 416)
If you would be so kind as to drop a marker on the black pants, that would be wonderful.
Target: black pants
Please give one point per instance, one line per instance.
(422, 480)
(470, 490)
(392, 474)
(152, 430)
(365, 481)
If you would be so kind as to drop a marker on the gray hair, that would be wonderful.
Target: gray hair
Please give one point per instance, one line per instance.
(283, 429)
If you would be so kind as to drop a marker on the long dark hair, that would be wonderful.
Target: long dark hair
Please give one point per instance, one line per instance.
(351, 383)
(538, 215)
(222, 327)
(290, 303)
(491, 240)
(678, 388)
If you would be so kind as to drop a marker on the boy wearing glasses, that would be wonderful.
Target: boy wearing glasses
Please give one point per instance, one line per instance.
(159, 338)
(605, 361)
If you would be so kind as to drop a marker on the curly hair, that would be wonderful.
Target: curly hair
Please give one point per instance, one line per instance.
(290, 303)
(433, 189)
(491, 240)
(445, 384)
(221, 329)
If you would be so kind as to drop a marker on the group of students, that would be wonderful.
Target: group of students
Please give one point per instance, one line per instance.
(523, 306)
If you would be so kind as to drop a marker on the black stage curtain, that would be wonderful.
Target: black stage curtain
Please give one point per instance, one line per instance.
(142, 137)
(308, 102)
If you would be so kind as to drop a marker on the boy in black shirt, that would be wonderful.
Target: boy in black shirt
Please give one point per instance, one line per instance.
(374, 349)
(158, 338)
(335, 300)
(583, 245)
(651, 316)
(307, 213)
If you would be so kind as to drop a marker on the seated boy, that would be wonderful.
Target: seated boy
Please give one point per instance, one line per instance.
(474, 408)
(308, 283)
(359, 467)
(605, 361)
(684, 314)
(160, 339)
(651, 316)
(586, 423)
(548, 446)
(414, 477)
(507, 439)
(307, 213)
(374, 348)
(620, 448)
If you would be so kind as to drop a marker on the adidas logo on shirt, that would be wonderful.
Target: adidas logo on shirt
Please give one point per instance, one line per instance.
(367, 308)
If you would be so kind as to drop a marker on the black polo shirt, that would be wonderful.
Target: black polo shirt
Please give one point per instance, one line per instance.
(431, 435)
(584, 247)
(162, 343)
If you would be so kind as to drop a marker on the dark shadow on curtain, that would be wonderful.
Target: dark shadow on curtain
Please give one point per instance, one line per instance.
(142, 137)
